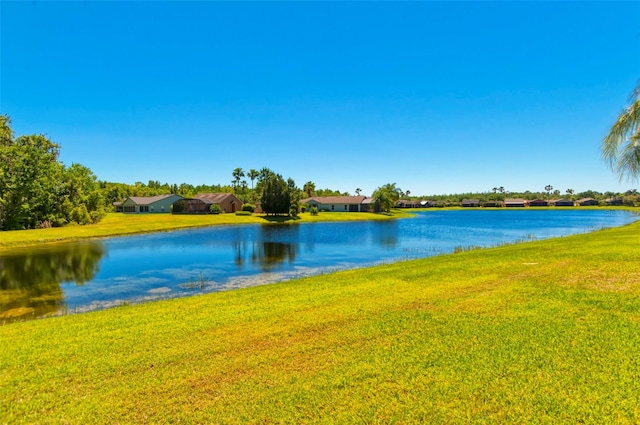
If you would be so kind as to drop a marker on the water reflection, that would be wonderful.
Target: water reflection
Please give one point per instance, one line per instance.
(81, 277)
(268, 248)
(30, 280)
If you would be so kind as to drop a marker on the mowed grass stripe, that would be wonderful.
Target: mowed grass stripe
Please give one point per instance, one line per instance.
(540, 332)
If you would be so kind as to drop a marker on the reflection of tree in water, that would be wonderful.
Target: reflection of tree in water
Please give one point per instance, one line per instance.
(389, 233)
(30, 281)
(270, 254)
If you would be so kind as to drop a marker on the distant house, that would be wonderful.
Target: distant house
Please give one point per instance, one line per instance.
(146, 204)
(614, 201)
(562, 203)
(430, 204)
(587, 202)
(201, 203)
(404, 203)
(470, 203)
(538, 203)
(492, 204)
(514, 203)
(337, 203)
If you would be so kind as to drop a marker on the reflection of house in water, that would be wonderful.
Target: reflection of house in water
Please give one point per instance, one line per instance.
(30, 281)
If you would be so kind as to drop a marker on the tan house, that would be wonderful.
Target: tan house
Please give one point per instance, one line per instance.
(337, 203)
(201, 203)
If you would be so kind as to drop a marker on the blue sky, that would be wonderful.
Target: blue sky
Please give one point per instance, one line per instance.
(438, 97)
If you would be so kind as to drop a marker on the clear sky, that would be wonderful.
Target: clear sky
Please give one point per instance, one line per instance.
(437, 97)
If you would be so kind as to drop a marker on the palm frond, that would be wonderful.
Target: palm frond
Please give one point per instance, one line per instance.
(621, 144)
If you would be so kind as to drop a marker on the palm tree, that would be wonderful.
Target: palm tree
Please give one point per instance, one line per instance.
(309, 189)
(621, 147)
(237, 175)
(358, 190)
(252, 174)
(548, 188)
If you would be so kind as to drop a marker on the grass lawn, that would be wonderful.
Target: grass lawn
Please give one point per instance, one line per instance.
(118, 224)
(538, 332)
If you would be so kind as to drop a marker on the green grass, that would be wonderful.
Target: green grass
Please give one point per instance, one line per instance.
(540, 332)
(126, 224)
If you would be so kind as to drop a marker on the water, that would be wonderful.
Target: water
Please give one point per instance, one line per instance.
(83, 276)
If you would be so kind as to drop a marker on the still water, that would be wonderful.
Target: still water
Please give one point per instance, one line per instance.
(77, 277)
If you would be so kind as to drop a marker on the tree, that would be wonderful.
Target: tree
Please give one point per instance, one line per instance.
(275, 195)
(29, 178)
(358, 190)
(621, 147)
(294, 197)
(252, 174)
(237, 174)
(309, 189)
(548, 188)
(387, 196)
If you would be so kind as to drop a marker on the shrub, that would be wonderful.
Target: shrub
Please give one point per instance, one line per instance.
(243, 213)
(215, 209)
(80, 215)
(248, 207)
(313, 210)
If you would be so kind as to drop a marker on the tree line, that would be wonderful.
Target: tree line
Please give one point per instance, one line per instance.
(37, 190)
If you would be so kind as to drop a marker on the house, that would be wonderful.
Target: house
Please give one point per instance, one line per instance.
(429, 204)
(562, 203)
(337, 203)
(147, 204)
(614, 201)
(369, 205)
(514, 203)
(201, 203)
(493, 204)
(404, 203)
(470, 203)
(538, 203)
(587, 202)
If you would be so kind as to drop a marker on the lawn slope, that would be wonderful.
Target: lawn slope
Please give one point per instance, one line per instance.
(539, 332)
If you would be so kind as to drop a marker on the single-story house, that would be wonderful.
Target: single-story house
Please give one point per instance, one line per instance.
(147, 204)
(614, 201)
(538, 203)
(514, 203)
(336, 203)
(471, 202)
(201, 203)
(369, 205)
(405, 203)
(429, 204)
(493, 204)
(562, 203)
(587, 202)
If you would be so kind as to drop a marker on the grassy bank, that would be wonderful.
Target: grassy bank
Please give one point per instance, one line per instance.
(128, 224)
(541, 332)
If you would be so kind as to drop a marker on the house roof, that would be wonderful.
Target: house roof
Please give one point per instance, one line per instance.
(335, 199)
(147, 200)
(471, 201)
(514, 201)
(214, 198)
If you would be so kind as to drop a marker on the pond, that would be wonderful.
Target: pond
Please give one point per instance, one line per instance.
(83, 276)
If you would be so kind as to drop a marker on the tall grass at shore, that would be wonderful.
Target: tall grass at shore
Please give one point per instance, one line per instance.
(539, 332)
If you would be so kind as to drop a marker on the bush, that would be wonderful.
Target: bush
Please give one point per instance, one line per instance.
(313, 210)
(80, 215)
(243, 213)
(248, 207)
(215, 209)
